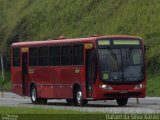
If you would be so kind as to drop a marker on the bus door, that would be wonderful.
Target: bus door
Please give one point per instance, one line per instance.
(24, 74)
(90, 72)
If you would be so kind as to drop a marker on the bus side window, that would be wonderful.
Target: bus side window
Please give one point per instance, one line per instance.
(43, 56)
(66, 55)
(78, 54)
(33, 56)
(16, 57)
(55, 55)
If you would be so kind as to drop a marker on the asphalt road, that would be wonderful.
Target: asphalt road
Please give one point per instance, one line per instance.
(146, 105)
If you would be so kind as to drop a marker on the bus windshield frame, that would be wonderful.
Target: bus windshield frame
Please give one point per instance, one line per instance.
(121, 63)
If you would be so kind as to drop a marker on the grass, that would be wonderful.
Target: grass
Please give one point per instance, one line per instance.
(7, 86)
(38, 110)
(153, 85)
(47, 114)
(6, 82)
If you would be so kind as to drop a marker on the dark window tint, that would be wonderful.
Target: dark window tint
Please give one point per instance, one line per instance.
(66, 55)
(43, 56)
(78, 54)
(110, 64)
(33, 56)
(55, 55)
(16, 56)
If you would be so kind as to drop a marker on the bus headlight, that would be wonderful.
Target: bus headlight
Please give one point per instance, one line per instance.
(106, 87)
(139, 86)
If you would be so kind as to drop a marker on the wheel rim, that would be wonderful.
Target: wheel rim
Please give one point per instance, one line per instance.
(79, 97)
(34, 96)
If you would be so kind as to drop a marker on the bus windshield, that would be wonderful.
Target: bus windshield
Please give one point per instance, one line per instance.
(121, 65)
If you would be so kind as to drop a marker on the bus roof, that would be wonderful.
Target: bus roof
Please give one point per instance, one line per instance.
(67, 41)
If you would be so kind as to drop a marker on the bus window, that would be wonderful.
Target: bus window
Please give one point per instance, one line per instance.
(55, 55)
(66, 55)
(78, 51)
(137, 56)
(43, 56)
(16, 57)
(33, 56)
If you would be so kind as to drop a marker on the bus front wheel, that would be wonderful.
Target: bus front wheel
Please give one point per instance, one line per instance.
(122, 101)
(78, 98)
(34, 98)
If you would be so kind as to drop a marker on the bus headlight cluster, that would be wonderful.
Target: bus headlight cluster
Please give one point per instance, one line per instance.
(139, 86)
(106, 87)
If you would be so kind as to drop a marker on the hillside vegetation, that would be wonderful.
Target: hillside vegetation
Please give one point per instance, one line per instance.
(26, 20)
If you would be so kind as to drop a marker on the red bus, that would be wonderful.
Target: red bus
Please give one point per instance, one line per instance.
(81, 69)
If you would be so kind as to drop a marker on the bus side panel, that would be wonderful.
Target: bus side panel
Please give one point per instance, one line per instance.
(64, 82)
(57, 82)
(16, 77)
(45, 91)
(41, 76)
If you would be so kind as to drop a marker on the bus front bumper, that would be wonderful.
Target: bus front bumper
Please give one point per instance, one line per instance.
(114, 94)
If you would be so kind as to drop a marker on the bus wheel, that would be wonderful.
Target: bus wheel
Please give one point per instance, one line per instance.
(78, 98)
(122, 101)
(34, 98)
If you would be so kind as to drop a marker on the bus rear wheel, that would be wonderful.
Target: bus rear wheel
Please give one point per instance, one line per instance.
(35, 99)
(78, 98)
(122, 101)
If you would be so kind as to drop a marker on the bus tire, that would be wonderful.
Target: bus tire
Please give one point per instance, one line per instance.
(78, 98)
(122, 101)
(34, 98)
